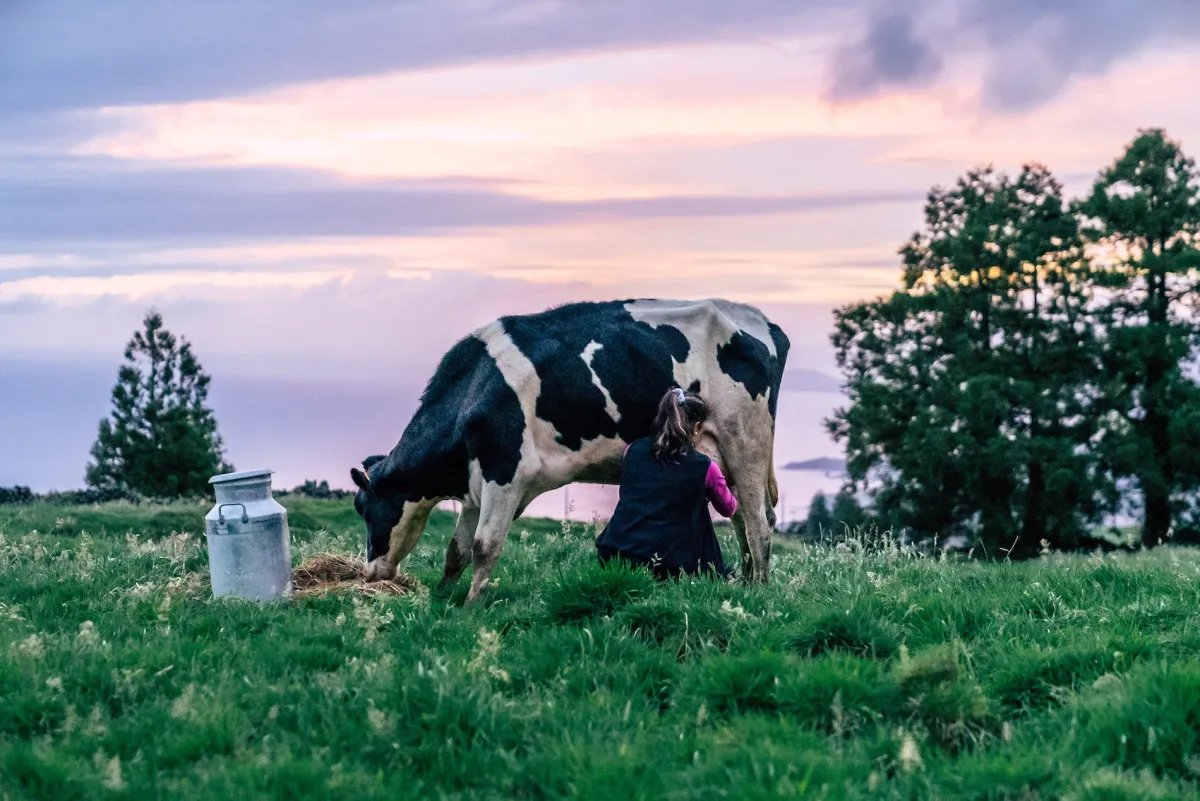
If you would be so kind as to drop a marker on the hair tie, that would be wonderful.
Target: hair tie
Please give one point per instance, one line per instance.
(679, 395)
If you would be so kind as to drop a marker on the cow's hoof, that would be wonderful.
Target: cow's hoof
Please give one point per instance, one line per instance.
(380, 570)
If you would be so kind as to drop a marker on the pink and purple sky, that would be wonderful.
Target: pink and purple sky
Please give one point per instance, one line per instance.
(323, 196)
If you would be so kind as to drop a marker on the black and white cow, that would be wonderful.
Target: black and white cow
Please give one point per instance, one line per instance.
(531, 403)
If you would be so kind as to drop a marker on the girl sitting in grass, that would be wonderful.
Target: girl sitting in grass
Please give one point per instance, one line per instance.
(662, 517)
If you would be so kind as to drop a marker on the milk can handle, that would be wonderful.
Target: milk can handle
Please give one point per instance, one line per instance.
(221, 514)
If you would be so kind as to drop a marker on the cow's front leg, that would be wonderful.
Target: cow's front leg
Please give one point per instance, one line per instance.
(459, 552)
(403, 539)
(498, 505)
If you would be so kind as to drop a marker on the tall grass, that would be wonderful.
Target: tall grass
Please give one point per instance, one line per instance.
(860, 672)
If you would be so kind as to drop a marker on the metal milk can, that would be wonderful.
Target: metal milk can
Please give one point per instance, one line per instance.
(249, 552)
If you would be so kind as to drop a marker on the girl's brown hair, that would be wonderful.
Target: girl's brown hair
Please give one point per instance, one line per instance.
(678, 414)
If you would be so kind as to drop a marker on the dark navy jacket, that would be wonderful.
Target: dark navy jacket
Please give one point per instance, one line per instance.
(662, 516)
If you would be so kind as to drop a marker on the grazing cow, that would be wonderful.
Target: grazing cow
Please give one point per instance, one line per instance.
(531, 403)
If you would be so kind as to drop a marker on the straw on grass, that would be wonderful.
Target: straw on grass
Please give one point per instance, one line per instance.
(330, 572)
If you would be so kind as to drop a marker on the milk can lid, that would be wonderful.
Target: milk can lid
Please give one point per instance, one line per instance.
(227, 477)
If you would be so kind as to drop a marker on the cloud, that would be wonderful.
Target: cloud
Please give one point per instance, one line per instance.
(889, 54)
(561, 127)
(84, 54)
(75, 54)
(1037, 47)
(81, 201)
(1028, 50)
(78, 203)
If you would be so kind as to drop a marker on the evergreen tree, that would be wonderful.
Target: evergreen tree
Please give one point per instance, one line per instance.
(891, 356)
(848, 515)
(1144, 220)
(161, 440)
(967, 412)
(820, 522)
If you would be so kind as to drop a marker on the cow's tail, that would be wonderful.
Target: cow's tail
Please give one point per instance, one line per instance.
(772, 485)
(782, 345)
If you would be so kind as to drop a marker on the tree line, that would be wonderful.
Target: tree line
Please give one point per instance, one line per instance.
(1033, 376)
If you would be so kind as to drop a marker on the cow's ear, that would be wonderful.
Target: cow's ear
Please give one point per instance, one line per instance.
(360, 479)
(371, 461)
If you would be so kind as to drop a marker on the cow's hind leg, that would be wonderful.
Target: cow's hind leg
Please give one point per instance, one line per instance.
(497, 508)
(752, 499)
(749, 461)
(772, 499)
(739, 528)
(458, 554)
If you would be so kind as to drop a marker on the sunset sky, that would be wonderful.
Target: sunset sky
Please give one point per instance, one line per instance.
(323, 196)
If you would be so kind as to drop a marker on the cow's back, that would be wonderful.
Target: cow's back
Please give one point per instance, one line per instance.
(599, 369)
(731, 344)
(706, 323)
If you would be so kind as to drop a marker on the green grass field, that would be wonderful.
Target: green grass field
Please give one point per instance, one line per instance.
(853, 675)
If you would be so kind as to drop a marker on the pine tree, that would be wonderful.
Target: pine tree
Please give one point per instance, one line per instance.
(967, 413)
(820, 521)
(1144, 223)
(849, 518)
(161, 440)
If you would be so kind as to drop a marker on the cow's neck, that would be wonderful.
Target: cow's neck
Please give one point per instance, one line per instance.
(429, 459)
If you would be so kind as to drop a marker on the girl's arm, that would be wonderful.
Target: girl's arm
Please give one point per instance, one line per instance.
(718, 491)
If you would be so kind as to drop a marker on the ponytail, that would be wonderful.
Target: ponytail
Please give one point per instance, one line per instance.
(678, 414)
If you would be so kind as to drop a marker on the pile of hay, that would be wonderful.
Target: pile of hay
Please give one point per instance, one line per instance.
(331, 572)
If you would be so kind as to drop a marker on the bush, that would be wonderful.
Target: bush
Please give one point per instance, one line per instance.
(1150, 718)
(677, 625)
(86, 497)
(949, 704)
(1018, 774)
(1143, 786)
(857, 631)
(315, 489)
(740, 684)
(596, 591)
(38, 773)
(1031, 680)
(17, 494)
(839, 694)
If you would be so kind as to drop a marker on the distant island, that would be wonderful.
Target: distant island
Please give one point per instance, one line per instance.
(825, 464)
(804, 380)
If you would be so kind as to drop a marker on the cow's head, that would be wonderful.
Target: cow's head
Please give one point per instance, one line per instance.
(395, 519)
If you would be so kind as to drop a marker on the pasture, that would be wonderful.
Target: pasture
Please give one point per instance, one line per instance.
(858, 673)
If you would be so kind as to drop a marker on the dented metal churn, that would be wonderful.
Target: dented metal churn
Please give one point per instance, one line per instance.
(249, 554)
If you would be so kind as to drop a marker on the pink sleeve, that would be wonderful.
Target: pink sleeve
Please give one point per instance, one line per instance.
(626, 451)
(718, 491)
